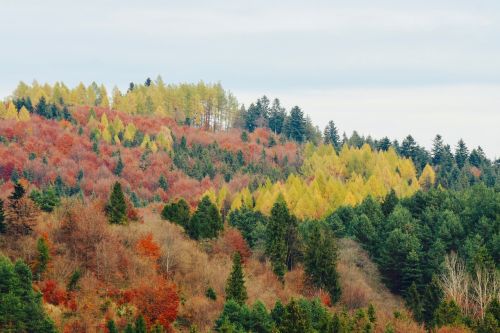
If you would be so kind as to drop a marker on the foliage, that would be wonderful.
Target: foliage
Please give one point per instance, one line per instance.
(116, 208)
(206, 222)
(235, 285)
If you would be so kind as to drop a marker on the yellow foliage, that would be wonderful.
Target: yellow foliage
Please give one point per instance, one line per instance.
(24, 114)
(427, 178)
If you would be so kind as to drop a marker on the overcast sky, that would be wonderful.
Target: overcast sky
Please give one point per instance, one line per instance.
(379, 67)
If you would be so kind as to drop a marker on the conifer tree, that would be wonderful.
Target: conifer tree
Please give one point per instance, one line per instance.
(43, 257)
(111, 326)
(331, 135)
(461, 154)
(117, 207)
(206, 222)
(431, 299)
(129, 328)
(295, 319)
(276, 229)
(414, 303)
(177, 212)
(320, 260)
(162, 183)
(140, 325)
(119, 166)
(3, 227)
(235, 286)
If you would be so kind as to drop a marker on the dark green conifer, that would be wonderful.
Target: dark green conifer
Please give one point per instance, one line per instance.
(235, 286)
(117, 207)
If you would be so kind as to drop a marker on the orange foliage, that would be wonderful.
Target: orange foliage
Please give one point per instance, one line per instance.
(53, 294)
(232, 241)
(147, 247)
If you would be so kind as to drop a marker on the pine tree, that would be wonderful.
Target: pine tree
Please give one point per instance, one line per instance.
(162, 183)
(3, 227)
(140, 325)
(372, 316)
(129, 328)
(437, 150)
(331, 135)
(119, 166)
(276, 229)
(295, 320)
(43, 257)
(117, 207)
(414, 303)
(433, 296)
(390, 201)
(206, 222)
(111, 326)
(320, 261)
(177, 212)
(461, 154)
(296, 127)
(235, 286)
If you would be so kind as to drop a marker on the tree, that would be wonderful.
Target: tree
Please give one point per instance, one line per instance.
(331, 135)
(116, 208)
(47, 199)
(437, 150)
(431, 299)
(140, 325)
(277, 117)
(21, 307)
(163, 183)
(21, 214)
(235, 285)
(111, 326)
(3, 227)
(296, 125)
(276, 231)
(43, 257)
(295, 320)
(119, 166)
(24, 114)
(320, 260)
(206, 222)
(413, 302)
(461, 153)
(177, 212)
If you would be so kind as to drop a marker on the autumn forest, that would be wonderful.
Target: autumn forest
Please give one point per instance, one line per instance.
(176, 208)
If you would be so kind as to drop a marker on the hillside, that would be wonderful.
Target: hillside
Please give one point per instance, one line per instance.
(174, 208)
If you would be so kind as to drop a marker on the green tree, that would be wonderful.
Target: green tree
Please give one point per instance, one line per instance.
(119, 166)
(116, 208)
(43, 257)
(235, 286)
(331, 135)
(448, 313)
(276, 230)
(163, 183)
(46, 199)
(414, 303)
(21, 307)
(320, 260)
(3, 227)
(295, 320)
(296, 125)
(461, 154)
(111, 326)
(177, 212)
(431, 299)
(206, 222)
(140, 325)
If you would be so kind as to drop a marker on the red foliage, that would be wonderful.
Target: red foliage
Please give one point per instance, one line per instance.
(158, 302)
(232, 241)
(147, 247)
(53, 294)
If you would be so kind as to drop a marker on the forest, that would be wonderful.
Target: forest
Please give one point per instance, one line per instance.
(174, 208)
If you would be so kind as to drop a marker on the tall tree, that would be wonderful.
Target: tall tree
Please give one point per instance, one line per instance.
(3, 227)
(116, 208)
(206, 222)
(320, 260)
(277, 117)
(296, 126)
(235, 286)
(437, 150)
(461, 153)
(177, 212)
(331, 135)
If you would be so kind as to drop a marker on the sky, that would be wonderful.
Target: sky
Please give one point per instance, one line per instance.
(383, 68)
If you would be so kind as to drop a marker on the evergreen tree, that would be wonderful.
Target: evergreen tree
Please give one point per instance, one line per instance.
(162, 183)
(277, 117)
(372, 316)
(390, 201)
(47, 199)
(433, 296)
(119, 166)
(461, 154)
(3, 227)
(177, 212)
(235, 286)
(117, 207)
(331, 135)
(129, 328)
(320, 261)
(296, 127)
(437, 150)
(448, 313)
(295, 320)
(206, 222)
(276, 230)
(21, 307)
(140, 325)
(111, 326)
(414, 303)
(43, 257)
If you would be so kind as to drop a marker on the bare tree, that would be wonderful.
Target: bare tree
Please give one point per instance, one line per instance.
(485, 287)
(455, 281)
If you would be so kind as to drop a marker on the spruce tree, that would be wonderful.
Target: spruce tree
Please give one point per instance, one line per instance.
(331, 135)
(414, 303)
(320, 261)
(162, 183)
(295, 319)
(297, 125)
(206, 222)
(117, 207)
(119, 167)
(177, 212)
(3, 227)
(129, 328)
(140, 325)
(276, 229)
(111, 326)
(461, 154)
(43, 258)
(431, 299)
(235, 286)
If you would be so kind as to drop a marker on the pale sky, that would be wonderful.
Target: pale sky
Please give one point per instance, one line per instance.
(385, 68)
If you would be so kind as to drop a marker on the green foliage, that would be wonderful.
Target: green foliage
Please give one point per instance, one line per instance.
(448, 313)
(43, 257)
(320, 260)
(235, 286)
(210, 294)
(251, 224)
(414, 303)
(116, 208)
(177, 212)
(119, 166)
(295, 319)
(140, 325)
(73, 280)
(206, 222)
(162, 183)
(20, 307)
(47, 199)
(111, 326)
(3, 227)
